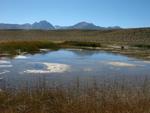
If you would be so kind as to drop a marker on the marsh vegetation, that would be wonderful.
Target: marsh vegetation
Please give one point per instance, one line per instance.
(105, 96)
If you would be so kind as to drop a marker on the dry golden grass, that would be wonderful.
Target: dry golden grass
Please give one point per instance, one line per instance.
(123, 36)
(108, 97)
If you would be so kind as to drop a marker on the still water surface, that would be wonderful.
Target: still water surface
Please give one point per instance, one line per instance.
(64, 65)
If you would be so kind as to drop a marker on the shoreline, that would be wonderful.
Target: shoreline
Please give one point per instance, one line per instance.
(33, 47)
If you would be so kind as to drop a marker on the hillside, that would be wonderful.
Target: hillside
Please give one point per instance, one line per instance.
(122, 36)
(45, 25)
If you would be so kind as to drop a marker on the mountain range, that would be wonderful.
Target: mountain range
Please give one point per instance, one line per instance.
(45, 25)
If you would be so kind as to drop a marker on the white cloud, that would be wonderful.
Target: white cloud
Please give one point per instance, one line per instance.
(121, 64)
(51, 68)
(20, 57)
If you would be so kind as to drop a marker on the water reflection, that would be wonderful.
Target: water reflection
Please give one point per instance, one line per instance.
(66, 64)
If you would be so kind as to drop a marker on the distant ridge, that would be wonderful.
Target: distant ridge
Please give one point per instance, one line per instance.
(42, 25)
(86, 26)
(45, 25)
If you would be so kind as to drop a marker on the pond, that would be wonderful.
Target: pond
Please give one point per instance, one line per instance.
(65, 65)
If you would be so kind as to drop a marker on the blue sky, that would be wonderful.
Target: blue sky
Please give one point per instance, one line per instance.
(124, 13)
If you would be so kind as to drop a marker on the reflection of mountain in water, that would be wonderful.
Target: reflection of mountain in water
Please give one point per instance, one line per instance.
(84, 52)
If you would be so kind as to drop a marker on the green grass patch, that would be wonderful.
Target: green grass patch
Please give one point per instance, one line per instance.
(82, 44)
(26, 46)
(33, 46)
(142, 46)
